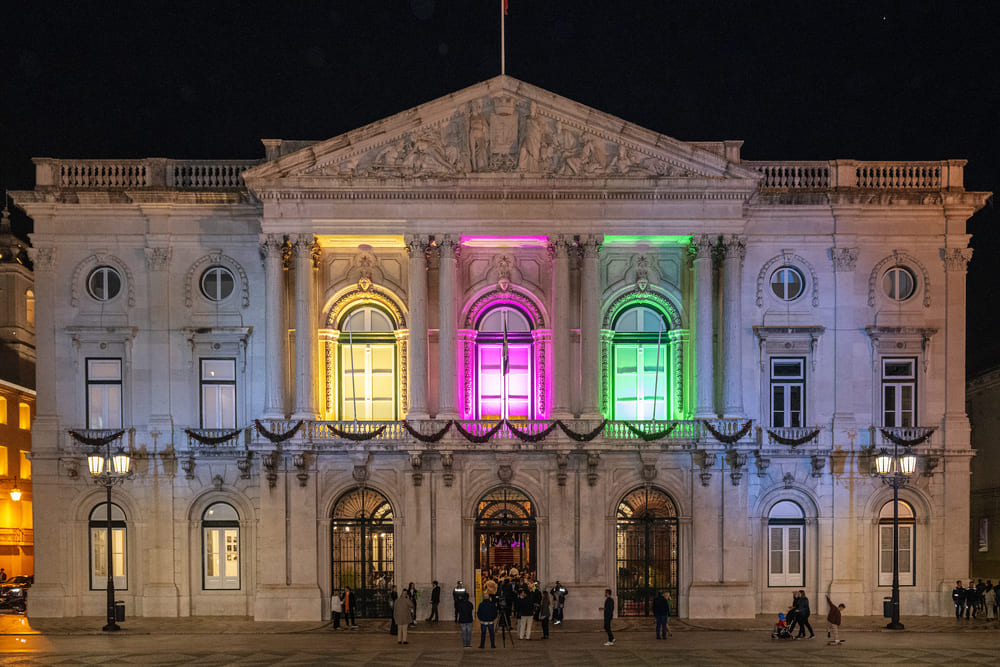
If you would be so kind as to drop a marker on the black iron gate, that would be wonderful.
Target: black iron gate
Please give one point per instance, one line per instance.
(361, 542)
(646, 551)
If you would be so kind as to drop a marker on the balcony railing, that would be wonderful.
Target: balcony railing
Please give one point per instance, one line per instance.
(217, 439)
(906, 433)
(853, 174)
(17, 536)
(145, 173)
(793, 433)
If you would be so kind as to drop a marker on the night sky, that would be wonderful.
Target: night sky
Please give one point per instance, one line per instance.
(796, 81)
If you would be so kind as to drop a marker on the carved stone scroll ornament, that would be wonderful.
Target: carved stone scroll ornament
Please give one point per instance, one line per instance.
(706, 461)
(270, 462)
(505, 473)
(818, 463)
(243, 464)
(301, 463)
(562, 467)
(736, 461)
(844, 259)
(447, 466)
(416, 468)
(157, 259)
(763, 463)
(593, 460)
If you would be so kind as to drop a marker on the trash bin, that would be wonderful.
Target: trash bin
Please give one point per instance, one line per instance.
(119, 610)
(887, 607)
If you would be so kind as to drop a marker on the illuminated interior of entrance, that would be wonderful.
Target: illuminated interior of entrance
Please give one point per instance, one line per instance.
(505, 531)
(646, 550)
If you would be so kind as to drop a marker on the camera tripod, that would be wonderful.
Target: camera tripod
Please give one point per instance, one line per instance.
(503, 623)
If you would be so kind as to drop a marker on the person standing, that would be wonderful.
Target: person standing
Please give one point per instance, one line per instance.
(402, 614)
(609, 612)
(412, 591)
(487, 615)
(803, 616)
(435, 601)
(544, 608)
(393, 596)
(661, 611)
(456, 596)
(990, 600)
(958, 597)
(558, 602)
(524, 612)
(970, 599)
(3, 576)
(833, 619)
(349, 619)
(465, 612)
(336, 609)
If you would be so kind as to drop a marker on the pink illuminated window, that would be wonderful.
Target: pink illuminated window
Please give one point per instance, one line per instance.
(504, 355)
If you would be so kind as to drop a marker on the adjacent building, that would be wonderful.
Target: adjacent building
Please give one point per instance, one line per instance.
(499, 329)
(984, 412)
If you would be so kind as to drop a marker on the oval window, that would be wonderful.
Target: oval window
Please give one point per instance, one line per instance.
(787, 283)
(899, 283)
(104, 283)
(217, 283)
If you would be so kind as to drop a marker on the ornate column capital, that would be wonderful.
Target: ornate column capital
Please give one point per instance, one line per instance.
(447, 247)
(956, 259)
(416, 246)
(304, 246)
(590, 246)
(157, 259)
(559, 247)
(702, 247)
(271, 245)
(844, 259)
(734, 247)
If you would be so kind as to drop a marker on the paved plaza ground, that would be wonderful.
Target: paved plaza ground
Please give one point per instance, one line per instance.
(238, 641)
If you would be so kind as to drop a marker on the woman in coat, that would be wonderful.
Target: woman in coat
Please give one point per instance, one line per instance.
(402, 613)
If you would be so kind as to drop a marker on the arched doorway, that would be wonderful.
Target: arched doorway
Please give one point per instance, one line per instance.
(646, 548)
(506, 531)
(361, 543)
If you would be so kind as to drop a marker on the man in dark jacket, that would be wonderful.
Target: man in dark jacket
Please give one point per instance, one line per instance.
(465, 611)
(661, 611)
(456, 595)
(803, 616)
(609, 613)
(435, 601)
(487, 615)
(525, 610)
(958, 597)
(558, 602)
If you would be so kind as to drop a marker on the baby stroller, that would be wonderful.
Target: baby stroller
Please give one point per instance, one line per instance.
(781, 629)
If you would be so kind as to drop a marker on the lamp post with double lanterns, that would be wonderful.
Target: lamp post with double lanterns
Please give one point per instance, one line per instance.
(895, 470)
(110, 469)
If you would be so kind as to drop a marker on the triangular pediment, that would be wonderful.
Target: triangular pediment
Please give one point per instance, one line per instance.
(499, 128)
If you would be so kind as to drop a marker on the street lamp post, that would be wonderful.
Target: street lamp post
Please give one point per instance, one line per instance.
(108, 470)
(895, 470)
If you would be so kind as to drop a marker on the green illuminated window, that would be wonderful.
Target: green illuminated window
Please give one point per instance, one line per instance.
(642, 378)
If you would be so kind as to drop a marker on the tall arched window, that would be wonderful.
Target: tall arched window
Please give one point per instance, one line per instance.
(504, 352)
(641, 384)
(99, 547)
(786, 526)
(220, 527)
(367, 365)
(907, 541)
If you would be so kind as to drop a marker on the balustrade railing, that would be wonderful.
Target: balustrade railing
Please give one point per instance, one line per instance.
(231, 438)
(144, 173)
(793, 433)
(906, 433)
(854, 174)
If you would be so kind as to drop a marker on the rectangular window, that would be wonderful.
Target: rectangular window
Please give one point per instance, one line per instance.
(104, 393)
(3, 410)
(785, 555)
(3, 461)
(906, 554)
(899, 393)
(24, 416)
(788, 383)
(25, 466)
(371, 376)
(99, 558)
(218, 393)
(641, 382)
(222, 558)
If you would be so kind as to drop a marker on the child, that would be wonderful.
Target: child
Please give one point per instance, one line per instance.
(834, 618)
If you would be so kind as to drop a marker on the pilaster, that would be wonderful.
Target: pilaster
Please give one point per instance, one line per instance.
(734, 249)
(448, 250)
(416, 248)
(590, 327)
(271, 250)
(701, 252)
(559, 370)
(305, 251)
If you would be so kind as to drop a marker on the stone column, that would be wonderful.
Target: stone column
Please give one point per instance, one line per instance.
(416, 247)
(590, 328)
(559, 249)
(956, 421)
(732, 359)
(448, 250)
(844, 419)
(274, 326)
(701, 251)
(305, 250)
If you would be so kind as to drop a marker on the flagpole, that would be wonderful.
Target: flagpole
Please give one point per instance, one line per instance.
(354, 388)
(656, 380)
(503, 40)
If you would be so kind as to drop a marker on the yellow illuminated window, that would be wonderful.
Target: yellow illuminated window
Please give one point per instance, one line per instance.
(24, 416)
(25, 466)
(3, 410)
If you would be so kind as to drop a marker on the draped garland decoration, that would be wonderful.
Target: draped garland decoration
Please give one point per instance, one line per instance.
(205, 440)
(479, 439)
(581, 437)
(524, 436)
(277, 437)
(96, 442)
(650, 437)
(728, 439)
(902, 442)
(356, 437)
(434, 437)
(794, 442)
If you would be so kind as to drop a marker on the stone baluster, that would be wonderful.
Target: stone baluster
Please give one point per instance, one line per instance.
(416, 247)
(448, 250)
(305, 251)
(590, 328)
(559, 249)
(271, 249)
(732, 358)
(701, 251)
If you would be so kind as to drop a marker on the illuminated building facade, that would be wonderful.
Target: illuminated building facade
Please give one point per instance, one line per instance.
(499, 329)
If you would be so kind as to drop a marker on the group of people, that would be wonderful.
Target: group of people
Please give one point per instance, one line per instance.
(342, 603)
(798, 615)
(975, 599)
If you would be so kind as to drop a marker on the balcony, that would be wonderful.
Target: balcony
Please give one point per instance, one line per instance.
(853, 174)
(147, 173)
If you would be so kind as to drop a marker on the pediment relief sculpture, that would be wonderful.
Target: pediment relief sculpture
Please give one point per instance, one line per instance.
(500, 134)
